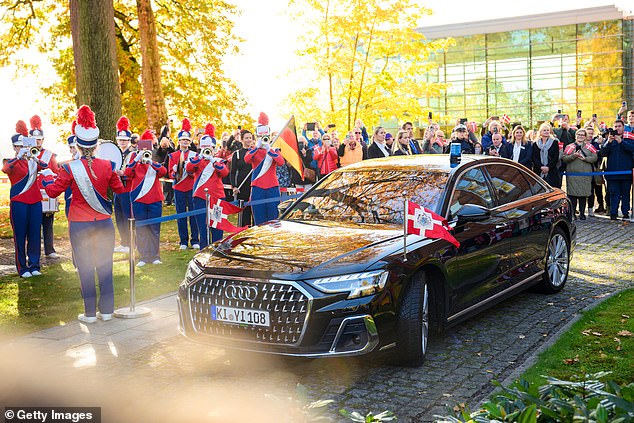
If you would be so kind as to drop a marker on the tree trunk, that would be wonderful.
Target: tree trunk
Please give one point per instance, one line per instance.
(151, 67)
(95, 53)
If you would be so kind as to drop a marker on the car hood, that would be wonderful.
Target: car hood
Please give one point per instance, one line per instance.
(300, 249)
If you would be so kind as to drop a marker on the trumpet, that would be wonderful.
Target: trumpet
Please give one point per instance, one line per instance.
(266, 138)
(34, 151)
(146, 156)
(206, 151)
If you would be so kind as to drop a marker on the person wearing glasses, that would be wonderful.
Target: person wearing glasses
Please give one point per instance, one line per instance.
(378, 148)
(579, 157)
(402, 145)
(326, 156)
(351, 151)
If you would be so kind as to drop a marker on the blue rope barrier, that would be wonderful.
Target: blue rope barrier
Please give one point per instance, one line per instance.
(612, 172)
(167, 218)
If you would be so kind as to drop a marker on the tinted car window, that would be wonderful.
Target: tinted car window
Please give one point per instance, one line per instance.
(370, 196)
(508, 182)
(471, 188)
(536, 186)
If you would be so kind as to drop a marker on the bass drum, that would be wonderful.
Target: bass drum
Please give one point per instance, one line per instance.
(107, 150)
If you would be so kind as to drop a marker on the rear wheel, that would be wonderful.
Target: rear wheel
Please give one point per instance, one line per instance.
(557, 263)
(412, 331)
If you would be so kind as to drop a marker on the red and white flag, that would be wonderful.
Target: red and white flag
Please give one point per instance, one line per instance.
(426, 223)
(628, 135)
(218, 214)
(505, 118)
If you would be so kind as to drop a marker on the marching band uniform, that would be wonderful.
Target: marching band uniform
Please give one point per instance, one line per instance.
(90, 226)
(183, 184)
(264, 183)
(72, 145)
(208, 172)
(47, 156)
(147, 198)
(122, 205)
(25, 206)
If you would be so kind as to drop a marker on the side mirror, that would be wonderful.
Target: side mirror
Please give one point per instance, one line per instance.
(472, 213)
(284, 205)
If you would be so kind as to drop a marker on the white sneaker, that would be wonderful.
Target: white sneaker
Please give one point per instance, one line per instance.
(83, 318)
(157, 262)
(183, 247)
(590, 212)
(36, 273)
(104, 316)
(196, 246)
(52, 255)
(26, 275)
(140, 264)
(122, 249)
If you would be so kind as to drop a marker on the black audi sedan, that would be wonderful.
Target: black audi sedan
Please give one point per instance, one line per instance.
(332, 276)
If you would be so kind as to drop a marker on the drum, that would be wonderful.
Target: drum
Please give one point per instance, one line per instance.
(49, 205)
(107, 150)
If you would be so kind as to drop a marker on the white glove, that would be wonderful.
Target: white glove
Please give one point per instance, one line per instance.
(258, 143)
(175, 168)
(209, 157)
(47, 172)
(138, 158)
(267, 146)
(23, 153)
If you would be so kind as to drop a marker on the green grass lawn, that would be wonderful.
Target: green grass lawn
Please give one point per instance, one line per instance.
(28, 305)
(602, 340)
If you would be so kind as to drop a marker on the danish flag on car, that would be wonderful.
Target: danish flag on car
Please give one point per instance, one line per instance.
(218, 214)
(424, 222)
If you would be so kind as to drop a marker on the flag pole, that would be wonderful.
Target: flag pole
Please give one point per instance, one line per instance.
(272, 142)
(405, 231)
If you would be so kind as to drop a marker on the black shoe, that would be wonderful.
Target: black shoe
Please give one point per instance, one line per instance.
(626, 216)
(612, 217)
(600, 210)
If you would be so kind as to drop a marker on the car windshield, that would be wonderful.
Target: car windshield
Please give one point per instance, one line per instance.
(370, 196)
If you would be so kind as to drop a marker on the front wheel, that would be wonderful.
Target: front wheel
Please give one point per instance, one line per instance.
(557, 263)
(412, 331)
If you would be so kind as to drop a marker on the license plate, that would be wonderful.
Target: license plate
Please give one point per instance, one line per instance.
(242, 316)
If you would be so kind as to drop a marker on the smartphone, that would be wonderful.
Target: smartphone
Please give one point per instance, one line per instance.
(578, 113)
(594, 115)
(310, 126)
(429, 116)
(624, 103)
(495, 118)
(240, 127)
(332, 125)
(463, 120)
(559, 111)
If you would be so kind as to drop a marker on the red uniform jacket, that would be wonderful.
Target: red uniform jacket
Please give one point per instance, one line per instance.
(262, 177)
(186, 182)
(143, 191)
(204, 178)
(18, 171)
(82, 211)
(47, 156)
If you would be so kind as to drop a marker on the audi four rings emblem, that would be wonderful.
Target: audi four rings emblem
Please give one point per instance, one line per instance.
(242, 293)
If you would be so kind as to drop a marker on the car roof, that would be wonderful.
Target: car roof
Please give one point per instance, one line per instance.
(431, 162)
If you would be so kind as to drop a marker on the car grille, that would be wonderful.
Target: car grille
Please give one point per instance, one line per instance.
(287, 306)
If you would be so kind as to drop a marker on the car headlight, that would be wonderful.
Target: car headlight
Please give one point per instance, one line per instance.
(358, 284)
(193, 270)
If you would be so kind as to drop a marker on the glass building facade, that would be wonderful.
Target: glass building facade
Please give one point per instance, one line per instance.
(530, 74)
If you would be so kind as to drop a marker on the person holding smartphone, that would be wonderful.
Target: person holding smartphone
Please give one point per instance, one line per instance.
(565, 133)
(495, 127)
(619, 152)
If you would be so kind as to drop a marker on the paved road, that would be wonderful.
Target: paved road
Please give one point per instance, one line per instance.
(164, 370)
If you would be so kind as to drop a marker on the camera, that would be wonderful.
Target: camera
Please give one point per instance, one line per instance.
(310, 126)
(300, 145)
(612, 131)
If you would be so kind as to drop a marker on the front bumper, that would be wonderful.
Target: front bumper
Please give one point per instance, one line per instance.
(304, 322)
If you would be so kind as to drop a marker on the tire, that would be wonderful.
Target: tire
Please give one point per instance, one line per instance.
(412, 329)
(557, 263)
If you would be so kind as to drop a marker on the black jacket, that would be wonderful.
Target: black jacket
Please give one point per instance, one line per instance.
(526, 153)
(553, 177)
(240, 170)
(374, 152)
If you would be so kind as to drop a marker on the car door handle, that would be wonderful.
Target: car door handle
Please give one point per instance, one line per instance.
(501, 226)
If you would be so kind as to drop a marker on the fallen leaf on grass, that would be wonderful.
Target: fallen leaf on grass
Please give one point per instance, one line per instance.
(625, 333)
(569, 361)
(596, 333)
(625, 316)
(617, 340)
(585, 332)
(619, 347)
(603, 355)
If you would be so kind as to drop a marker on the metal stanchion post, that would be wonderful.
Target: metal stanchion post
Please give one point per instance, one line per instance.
(240, 214)
(207, 215)
(133, 311)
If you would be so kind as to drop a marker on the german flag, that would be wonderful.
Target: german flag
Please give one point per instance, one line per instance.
(286, 141)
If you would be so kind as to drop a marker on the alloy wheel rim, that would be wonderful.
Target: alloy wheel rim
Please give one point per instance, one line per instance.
(425, 320)
(557, 264)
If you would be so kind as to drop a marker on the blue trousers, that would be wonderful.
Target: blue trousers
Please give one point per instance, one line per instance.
(92, 244)
(216, 234)
(267, 211)
(619, 190)
(147, 237)
(122, 212)
(184, 203)
(26, 220)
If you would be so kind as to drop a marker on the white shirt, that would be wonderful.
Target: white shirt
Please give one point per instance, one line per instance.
(517, 149)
